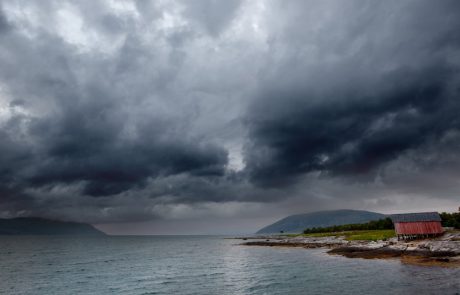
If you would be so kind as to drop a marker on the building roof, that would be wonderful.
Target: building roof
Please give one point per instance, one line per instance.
(416, 217)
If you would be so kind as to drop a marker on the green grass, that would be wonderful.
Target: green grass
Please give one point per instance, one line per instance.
(363, 235)
(371, 235)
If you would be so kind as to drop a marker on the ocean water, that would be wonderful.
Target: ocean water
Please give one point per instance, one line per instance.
(201, 265)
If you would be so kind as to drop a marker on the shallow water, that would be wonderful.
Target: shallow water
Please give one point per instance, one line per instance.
(201, 265)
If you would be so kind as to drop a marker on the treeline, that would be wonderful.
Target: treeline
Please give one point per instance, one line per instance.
(385, 223)
(450, 220)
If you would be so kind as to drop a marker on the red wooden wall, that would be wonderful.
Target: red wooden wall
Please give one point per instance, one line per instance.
(418, 228)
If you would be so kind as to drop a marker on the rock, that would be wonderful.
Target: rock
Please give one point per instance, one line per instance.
(375, 245)
(393, 240)
(398, 247)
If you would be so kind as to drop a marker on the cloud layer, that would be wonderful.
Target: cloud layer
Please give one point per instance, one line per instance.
(131, 110)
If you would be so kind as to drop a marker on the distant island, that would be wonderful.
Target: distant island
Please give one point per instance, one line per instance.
(41, 226)
(299, 222)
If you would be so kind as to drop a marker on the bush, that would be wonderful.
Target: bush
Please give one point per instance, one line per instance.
(450, 220)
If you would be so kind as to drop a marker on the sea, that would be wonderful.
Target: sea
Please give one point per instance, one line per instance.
(201, 265)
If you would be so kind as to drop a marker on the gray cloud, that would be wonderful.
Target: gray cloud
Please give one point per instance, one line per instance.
(4, 26)
(211, 15)
(122, 113)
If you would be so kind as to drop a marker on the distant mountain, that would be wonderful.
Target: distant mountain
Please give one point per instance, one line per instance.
(297, 223)
(40, 226)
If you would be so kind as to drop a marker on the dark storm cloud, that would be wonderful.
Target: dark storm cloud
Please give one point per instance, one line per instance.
(72, 149)
(86, 144)
(358, 113)
(115, 111)
(86, 134)
(79, 151)
(355, 137)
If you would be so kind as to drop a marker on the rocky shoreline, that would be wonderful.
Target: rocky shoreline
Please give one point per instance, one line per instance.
(441, 251)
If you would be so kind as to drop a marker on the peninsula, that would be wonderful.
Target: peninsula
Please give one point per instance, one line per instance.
(416, 238)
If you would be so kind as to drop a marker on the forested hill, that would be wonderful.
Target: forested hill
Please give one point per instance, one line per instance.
(40, 226)
(298, 223)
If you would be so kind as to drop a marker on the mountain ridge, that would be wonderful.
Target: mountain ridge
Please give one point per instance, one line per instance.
(43, 226)
(298, 222)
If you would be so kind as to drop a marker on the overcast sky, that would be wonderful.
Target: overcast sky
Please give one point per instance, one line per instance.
(175, 117)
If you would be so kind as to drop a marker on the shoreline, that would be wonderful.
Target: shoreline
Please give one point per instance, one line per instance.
(443, 251)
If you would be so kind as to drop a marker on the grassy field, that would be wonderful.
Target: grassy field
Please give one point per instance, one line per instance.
(364, 235)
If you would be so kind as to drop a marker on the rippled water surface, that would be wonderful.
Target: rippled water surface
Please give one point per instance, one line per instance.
(201, 265)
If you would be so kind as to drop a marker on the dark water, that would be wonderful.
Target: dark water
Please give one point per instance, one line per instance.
(201, 265)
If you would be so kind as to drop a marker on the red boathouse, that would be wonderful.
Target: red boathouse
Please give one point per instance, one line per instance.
(417, 225)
